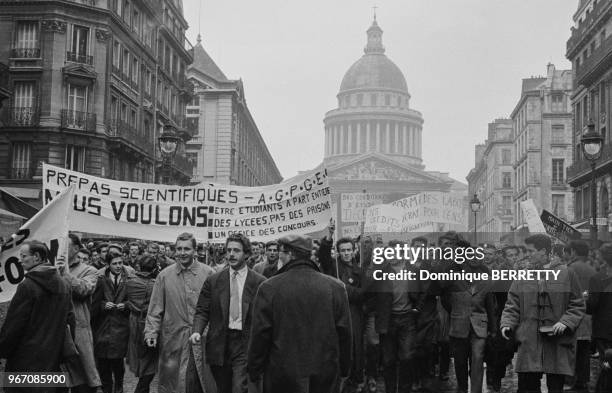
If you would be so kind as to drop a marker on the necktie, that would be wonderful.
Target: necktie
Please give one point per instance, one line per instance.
(116, 276)
(234, 311)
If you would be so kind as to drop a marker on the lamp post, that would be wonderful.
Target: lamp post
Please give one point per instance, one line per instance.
(475, 207)
(168, 143)
(591, 141)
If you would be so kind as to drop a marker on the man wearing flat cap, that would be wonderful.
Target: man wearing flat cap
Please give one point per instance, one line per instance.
(301, 330)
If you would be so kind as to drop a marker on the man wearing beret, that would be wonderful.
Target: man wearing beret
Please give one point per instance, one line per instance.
(301, 330)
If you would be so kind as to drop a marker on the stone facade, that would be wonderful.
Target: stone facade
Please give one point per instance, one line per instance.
(589, 48)
(92, 84)
(226, 146)
(542, 128)
(491, 180)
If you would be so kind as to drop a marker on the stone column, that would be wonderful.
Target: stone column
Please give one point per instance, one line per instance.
(388, 135)
(349, 128)
(377, 147)
(397, 147)
(358, 150)
(419, 143)
(336, 139)
(405, 147)
(368, 147)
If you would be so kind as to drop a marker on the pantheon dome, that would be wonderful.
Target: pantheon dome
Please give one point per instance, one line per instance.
(373, 113)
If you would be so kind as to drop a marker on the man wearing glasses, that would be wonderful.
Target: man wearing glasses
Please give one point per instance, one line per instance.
(543, 316)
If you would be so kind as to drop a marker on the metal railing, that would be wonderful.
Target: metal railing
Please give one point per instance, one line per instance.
(578, 33)
(123, 130)
(23, 116)
(25, 172)
(77, 58)
(25, 53)
(77, 120)
(601, 54)
(582, 167)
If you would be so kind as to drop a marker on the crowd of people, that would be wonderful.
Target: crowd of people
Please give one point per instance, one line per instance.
(303, 315)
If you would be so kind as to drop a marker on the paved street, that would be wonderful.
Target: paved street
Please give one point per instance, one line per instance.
(509, 383)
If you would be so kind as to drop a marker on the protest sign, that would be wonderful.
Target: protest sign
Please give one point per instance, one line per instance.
(50, 226)
(351, 230)
(532, 218)
(436, 207)
(558, 228)
(383, 218)
(354, 205)
(210, 211)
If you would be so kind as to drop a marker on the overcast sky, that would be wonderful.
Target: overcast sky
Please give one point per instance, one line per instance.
(463, 62)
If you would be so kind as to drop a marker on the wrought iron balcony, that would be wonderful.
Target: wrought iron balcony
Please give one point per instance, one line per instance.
(122, 130)
(578, 34)
(582, 167)
(183, 164)
(25, 53)
(23, 116)
(77, 120)
(78, 58)
(22, 172)
(598, 61)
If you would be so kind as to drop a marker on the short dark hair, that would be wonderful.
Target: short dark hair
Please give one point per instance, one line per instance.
(132, 244)
(85, 251)
(419, 239)
(186, 236)
(606, 253)
(112, 255)
(148, 263)
(39, 248)
(242, 239)
(539, 241)
(344, 240)
(272, 243)
(580, 247)
(75, 240)
(510, 247)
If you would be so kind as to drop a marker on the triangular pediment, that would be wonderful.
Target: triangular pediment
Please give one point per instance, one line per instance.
(79, 71)
(374, 166)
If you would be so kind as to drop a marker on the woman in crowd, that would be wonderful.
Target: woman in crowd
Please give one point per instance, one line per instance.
(141, 359)
(112, 328)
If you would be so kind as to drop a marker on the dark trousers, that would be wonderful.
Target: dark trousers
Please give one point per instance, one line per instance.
(442, 357)
(232, 376)
(398, 353)
(583, 363)
(530, 383)
(111, 370)
(144, 383)
(372, 347)
(469, 351)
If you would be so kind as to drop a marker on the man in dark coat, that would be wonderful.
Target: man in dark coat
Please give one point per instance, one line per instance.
(301, 330)
(224, 306)
(32, 337)
(347, 269)
(544, 315)
(579, 253)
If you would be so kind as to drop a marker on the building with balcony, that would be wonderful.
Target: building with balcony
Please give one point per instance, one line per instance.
(542, 127)
(491, 180)
(226, 145)
(92, 84)
(589, 48)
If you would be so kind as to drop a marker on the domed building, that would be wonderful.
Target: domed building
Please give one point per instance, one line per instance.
(373, 140)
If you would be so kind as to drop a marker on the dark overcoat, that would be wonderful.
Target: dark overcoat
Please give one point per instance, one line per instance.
(301, 331)
(31, 339)
(113, 330)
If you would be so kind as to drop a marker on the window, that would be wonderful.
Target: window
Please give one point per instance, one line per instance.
(116, 56)
(387, 99)
(77, 98)
(507, 204)
(557, 134)
(135, 70)
(558, 103)
(373, 99)
(506, 156)
(578, 204)
(558, 205)
(359, 99)
(26, 40)
(126, 11)
(125, 61)
(23, 112)
(75, 158)
(557, 171)
(114, 110)
(507, 180)
(20, 165)
(133, 118)
(79, 45)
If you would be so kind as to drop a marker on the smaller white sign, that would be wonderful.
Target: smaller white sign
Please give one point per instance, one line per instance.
(532, 217)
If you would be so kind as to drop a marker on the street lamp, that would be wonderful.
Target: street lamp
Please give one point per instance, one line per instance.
(591, 141)
(475, 207)
(168, 143)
